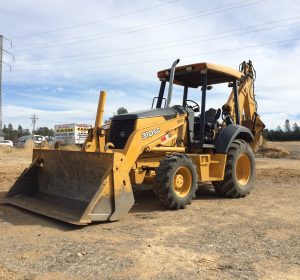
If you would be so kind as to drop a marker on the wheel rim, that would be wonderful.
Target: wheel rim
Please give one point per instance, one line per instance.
(182, 181)
(243, 169)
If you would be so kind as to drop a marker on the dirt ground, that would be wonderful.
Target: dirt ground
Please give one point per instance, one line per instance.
(257, 237)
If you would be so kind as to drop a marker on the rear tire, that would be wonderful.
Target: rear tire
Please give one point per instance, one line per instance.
(175, 182)
(239, 171)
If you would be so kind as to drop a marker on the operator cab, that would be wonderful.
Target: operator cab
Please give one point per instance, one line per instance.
(202, 123)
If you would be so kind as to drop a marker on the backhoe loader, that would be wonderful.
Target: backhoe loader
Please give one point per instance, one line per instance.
(171, 147)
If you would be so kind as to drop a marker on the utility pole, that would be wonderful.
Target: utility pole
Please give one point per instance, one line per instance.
(1, 55)
(1, 62)
(34, 118)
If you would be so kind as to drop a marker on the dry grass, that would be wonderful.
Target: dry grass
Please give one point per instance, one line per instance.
(5, 150)
(268, 150)
(26, 150)
(71, 148)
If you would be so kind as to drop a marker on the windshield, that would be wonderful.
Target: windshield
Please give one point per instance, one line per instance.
(215, 97)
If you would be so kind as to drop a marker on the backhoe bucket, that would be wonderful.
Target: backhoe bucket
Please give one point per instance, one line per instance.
(76, 187)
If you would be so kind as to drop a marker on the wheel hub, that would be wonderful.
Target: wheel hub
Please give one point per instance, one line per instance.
(182, 181)
(243, 169)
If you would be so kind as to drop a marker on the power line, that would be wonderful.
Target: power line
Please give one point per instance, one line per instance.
(170, 42)
(259, 89)
(216, 10)
(160, 48)
(144, 25)
(162, 59)
(109, 34)
(94, 21)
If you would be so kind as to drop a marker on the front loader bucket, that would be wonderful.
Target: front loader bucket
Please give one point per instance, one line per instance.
(76, 187)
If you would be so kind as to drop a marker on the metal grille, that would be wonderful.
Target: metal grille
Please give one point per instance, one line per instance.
(120, 131)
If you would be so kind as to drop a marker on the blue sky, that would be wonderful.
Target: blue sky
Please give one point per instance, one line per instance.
(67, 51)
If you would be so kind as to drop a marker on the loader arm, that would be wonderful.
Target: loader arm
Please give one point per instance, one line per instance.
(95, 140)
(247, 106)
(125, 159)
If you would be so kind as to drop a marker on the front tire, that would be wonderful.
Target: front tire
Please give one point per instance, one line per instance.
(175, 181)
(239, 171)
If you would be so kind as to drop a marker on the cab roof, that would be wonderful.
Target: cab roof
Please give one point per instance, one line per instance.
(190, 75)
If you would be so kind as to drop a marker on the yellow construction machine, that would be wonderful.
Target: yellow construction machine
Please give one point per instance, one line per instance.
(173, 148)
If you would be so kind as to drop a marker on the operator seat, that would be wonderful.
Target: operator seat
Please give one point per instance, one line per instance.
(211, 118)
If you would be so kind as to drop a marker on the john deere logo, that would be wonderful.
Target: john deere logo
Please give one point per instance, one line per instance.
(122, 134)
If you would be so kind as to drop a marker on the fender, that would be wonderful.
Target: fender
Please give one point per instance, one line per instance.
(229, 134)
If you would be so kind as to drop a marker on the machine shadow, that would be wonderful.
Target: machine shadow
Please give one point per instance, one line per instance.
(145, 202)
(17, 216)
(207, 192)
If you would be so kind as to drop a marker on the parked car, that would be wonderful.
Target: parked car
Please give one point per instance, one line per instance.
(37, 140)
(6, 143)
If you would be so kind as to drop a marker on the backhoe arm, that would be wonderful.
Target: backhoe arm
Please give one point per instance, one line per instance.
(247, 104)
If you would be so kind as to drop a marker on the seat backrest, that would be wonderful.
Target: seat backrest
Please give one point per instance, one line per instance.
(210, 115)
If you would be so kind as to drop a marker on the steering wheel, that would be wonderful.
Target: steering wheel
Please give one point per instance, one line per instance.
(195, 107)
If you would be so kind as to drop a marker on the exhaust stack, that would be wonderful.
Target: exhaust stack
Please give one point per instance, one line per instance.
(172, 73)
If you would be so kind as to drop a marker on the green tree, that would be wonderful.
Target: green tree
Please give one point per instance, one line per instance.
(289, 134)
(287, 126)
(25, 132)
(45, 131)
(10, 127)
(10, 133)
(121, 111)
(13, 134)
(20, 131)
(4, 130)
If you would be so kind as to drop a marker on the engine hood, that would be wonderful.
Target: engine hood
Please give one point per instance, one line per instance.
(167, 113)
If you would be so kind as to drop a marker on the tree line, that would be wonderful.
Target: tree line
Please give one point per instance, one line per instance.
(13, 134)
(288, 133)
